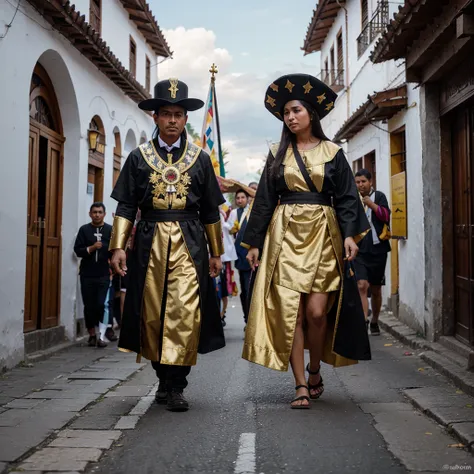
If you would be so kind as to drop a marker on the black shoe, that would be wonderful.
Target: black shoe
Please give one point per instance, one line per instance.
(374, 329)
(161, 395)
(177, 402)
(92, 341)
(110, 335)
(101, 344)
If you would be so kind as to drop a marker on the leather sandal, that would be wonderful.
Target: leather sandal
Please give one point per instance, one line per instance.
(297, 399)
(319, 385)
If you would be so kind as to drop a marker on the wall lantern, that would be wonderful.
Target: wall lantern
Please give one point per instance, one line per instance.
(93, 139)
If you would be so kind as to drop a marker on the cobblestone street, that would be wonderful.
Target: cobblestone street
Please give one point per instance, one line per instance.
(90, 410)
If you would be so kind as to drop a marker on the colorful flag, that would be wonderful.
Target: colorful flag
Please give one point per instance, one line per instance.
(210, 136)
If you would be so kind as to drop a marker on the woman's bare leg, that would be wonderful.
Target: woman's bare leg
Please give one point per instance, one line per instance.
(316, 309)
(297, 356)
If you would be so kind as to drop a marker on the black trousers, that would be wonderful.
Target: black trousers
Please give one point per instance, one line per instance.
(94, 293)
(244, 276)
(172, 377)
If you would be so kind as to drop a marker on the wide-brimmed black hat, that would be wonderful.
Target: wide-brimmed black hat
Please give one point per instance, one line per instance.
(171, 92)
(299, 87)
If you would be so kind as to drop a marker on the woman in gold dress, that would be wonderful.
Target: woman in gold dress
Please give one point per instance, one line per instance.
(306, 220)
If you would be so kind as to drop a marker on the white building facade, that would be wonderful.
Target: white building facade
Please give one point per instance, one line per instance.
(377, 121)
(69, 87)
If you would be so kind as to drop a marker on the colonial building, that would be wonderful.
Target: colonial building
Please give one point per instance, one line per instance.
(71, 79)
(376, 120)
(435, 41)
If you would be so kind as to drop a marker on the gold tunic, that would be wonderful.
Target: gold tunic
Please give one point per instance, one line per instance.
(302, 254)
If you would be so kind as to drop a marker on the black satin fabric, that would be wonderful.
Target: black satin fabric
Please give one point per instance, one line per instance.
(339, 185)
(133, 192)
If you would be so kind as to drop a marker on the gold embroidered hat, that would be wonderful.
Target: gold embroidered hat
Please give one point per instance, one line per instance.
(171, 92)
(299, 87)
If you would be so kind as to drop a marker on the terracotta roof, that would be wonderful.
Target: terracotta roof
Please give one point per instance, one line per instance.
(141, 14)
(322, 21)
(72, 25)
(379, 106)
(406, 26)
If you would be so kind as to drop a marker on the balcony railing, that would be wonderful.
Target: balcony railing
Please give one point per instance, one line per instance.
(334, 78)
(375, 26)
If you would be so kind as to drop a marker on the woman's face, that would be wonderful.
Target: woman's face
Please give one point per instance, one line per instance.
(296, 117)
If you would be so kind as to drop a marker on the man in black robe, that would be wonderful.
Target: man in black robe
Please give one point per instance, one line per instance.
(171, 311)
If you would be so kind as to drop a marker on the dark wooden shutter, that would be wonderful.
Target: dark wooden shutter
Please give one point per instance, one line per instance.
(364, 13)
(133, 57)
(95, 14)
(147, 74)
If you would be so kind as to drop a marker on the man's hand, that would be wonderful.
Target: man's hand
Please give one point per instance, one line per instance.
(351, 249)
(96, 246)
(367, 201)
(215, 266)
(119, 262)
(252, 257)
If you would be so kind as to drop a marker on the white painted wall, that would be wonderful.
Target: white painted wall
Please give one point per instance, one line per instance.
(82, 92)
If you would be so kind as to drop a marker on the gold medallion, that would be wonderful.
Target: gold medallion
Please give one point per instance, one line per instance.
(174, 87)
(171, 175)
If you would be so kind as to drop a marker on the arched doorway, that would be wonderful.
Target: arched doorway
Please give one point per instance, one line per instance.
(143, 138)
(95, 175)
(45, 178)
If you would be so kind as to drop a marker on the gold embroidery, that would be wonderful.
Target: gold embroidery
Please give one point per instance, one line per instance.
(170, 182)
(174, 87)
(278, 115)
(270, 100)
(330, 106)
(289, 86)
(321, 98)
(274, 87)
(307, 87)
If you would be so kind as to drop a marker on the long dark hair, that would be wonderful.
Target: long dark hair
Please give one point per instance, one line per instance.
(288, 137)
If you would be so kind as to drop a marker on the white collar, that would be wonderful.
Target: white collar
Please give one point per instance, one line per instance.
(168, 148)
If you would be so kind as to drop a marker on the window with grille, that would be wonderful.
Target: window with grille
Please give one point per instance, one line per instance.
(95, 15)
(326, 72)
(133, 57)
(340, 61)
(147, 74)
(332, 65)
(364, 13)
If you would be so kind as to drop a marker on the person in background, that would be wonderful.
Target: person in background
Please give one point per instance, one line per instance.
(373, 249)
(237, 224)
(91, 247)
(227, 283)
(254, 186)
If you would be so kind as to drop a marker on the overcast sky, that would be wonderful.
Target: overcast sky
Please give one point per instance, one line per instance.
(253, 42)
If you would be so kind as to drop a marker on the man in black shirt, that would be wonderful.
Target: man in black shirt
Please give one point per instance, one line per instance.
(371, 260)
(92, 243)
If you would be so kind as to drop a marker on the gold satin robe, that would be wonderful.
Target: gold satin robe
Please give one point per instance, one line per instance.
(302, 254)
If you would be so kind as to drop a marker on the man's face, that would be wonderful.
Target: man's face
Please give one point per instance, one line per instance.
(171, 120)
(363, 185)
(241, 200)
(97, 215)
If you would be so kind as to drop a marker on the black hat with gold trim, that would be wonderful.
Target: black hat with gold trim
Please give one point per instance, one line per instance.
(171, 92)
(299, 87)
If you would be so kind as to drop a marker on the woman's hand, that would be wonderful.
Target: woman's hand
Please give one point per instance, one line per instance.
(252, 257)
(351, 249)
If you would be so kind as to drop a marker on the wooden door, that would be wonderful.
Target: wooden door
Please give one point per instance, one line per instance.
(51, 238)
(462, 217)
(33, 238)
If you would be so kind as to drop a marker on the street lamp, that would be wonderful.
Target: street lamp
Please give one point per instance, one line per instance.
(93, 139)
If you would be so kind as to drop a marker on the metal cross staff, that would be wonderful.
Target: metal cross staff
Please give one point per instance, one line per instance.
(98, 235)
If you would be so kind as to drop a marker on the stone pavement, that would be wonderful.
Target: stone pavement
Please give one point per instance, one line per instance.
(74, 388)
